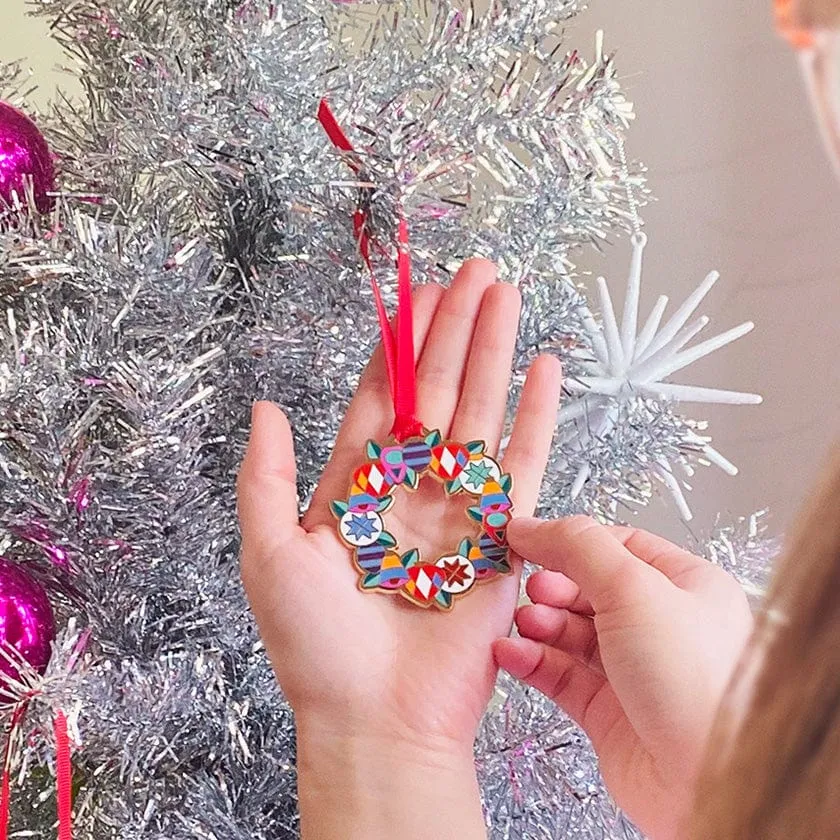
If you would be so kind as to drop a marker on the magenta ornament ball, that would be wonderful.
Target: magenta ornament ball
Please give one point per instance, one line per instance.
(24, 152)
(27, 623)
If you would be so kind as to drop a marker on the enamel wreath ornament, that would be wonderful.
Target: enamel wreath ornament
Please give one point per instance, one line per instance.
(463, 469)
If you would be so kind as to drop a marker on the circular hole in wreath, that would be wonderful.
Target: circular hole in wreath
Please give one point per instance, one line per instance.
(429, 520)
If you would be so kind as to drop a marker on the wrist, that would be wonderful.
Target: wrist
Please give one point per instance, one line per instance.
(380, 784)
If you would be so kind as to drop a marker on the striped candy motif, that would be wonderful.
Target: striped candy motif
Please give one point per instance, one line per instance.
(464, 469)
(417, 455)
(491, 549)
(488, 561)
(370, 557)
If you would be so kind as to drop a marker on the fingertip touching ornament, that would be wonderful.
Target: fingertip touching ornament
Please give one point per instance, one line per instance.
(462, 468)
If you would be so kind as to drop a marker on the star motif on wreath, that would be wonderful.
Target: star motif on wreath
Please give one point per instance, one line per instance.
(477, 473)
(456, 572)
(360, 527)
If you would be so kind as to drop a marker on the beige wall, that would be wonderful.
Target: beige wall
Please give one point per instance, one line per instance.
(742, 186)
(26, 38)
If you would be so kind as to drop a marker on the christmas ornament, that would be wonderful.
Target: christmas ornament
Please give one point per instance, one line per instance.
(24, 158)
(412, 453)
(27, 627)
(462, 469)
(630, 363)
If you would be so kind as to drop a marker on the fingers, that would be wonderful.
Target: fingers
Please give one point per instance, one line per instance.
(480, 414)
(440, 368)
(369, 415)
(533, 430)
(583, 694)
(266, 485)
(609, 576)
(554, 589)
(674, 562)
(567, 631)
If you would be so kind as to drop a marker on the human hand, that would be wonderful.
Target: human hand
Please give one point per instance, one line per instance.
(636, 639)
(373, 672)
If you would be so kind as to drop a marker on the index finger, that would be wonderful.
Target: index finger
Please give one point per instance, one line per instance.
(674, 562)
(608, 574)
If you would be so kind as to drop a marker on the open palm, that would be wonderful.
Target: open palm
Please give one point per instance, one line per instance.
(377, 660)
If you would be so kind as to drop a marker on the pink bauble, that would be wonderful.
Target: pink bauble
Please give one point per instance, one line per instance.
(24, 152)
(27, 624)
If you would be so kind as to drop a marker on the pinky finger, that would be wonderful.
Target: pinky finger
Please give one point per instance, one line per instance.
(533, 430)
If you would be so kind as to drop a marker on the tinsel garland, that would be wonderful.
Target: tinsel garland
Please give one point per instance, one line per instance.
(199, 258)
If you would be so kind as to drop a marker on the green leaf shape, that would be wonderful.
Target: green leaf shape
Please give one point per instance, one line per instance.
(506, 482)
(444, 599)
(475, 513)
(452, 487)
(410, 558)
(475, 447)
(339, 508)
(374, 450)
(385, 504)
(371, 581)
(433, 438)
(464, 547)
(386, 539)
(412, 478)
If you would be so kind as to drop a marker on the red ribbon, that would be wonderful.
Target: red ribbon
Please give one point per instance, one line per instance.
(63, 778)
(397, 342)
(63, 774)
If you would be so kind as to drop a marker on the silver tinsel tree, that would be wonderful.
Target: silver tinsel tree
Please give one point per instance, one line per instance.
(200, 256)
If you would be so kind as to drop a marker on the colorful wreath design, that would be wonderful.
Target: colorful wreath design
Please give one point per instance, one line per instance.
(462, 468)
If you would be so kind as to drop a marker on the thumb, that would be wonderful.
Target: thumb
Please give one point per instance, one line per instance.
(266, 487)
(608, 574)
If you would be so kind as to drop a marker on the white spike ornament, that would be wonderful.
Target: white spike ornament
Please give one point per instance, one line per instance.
(629, 363)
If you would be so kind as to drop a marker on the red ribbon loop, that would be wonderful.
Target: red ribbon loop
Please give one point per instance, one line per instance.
(397, 343)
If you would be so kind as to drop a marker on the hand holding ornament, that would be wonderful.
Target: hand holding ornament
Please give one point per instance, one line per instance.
(388, 696)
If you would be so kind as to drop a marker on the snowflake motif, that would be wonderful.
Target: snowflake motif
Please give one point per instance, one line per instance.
(360, 527)
(630, 364)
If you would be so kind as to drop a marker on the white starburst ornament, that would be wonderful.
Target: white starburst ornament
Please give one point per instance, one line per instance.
(631, 364)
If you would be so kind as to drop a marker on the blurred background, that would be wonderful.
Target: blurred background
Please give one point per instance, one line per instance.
(741, 185)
